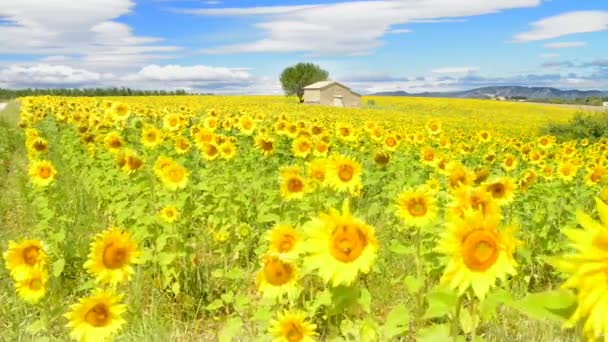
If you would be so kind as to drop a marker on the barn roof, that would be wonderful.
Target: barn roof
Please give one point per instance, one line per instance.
(322, 84)
(325, 84)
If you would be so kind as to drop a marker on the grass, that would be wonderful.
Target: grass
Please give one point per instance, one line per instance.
(153, 315)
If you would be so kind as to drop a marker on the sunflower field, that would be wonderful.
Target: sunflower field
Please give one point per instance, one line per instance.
(208, 218)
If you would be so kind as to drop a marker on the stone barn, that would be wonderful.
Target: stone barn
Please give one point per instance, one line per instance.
(331, 93)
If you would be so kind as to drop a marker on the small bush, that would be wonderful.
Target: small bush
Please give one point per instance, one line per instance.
(590, 126)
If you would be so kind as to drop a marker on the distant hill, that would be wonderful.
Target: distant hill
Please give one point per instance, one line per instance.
(504, 91)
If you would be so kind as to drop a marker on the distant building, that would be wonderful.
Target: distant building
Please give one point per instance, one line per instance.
(331, 93)
(605, 104)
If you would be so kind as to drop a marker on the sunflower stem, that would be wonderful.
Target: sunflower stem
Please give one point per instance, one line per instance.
(419, 299)
(456, 319)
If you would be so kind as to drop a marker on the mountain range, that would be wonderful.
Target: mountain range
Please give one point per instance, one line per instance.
(506, 92)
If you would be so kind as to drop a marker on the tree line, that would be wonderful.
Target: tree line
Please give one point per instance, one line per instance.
(7, 94)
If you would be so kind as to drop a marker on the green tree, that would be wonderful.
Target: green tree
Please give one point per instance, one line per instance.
(296, 77)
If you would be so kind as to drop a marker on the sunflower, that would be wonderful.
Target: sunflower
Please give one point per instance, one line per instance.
(301, 147)
(32, 287)
(203, 136)
(501, 189)
(151, 136)
(172, 122)
(120, 111)
(340, 246)
(42, 172)
(458, 175)
(428, 157)
(210, 151)
(169, 213)
(433, 127)
(567, 171)
(265, 144)
(291, 326)
(481, 175)
(113, 142)
(509, 163)
(246, 125)
(174, 176)
(345, 132)
(595, 175)
(97, 317)
(23, 257)
(416, 207)
(477, 253)
(321, 149)
(474, 199)
(484, 136)
(182, 145)
(317, 170)
(382, 158)
(211, 123)
(391, 143)
(293, 185)
(284, 239)
(344, 173)
(129, 162)
(587, 270)
(227, 150)
(111, 255)
(38, 145)
(161, 164)
(278, 277)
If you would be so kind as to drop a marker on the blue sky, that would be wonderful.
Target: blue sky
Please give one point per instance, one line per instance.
(234, 46)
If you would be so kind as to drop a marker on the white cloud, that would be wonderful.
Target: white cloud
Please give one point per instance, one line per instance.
(196, 73)
(345, 28)
(455, 70)
(45, 75)
(196, 77)
(84, 30)
(399, 31)
(565, 24)
(549, 55)
(564, 45)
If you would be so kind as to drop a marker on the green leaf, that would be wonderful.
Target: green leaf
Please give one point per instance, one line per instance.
(396, 323)
(487, 307)
(344, 297)
(365, 300)
(165, 258)
(441, 301)
(555, 305)
(434, 333)
(58, 267)
(216, 304)
(230, 330)
(38, 326)
(399, 248)
(268, 218)
(413, 284)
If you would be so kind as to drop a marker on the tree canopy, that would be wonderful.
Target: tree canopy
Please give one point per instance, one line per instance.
(296, 77)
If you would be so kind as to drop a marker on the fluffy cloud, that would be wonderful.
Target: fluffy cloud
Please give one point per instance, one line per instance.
(83, 30)
(197, 77)
(345, 28)
(564, 45)
(45, 75)
(565, 24)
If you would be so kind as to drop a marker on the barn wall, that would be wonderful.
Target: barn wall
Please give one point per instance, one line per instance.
(312, 96)
(351, 100)
(326, 95)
